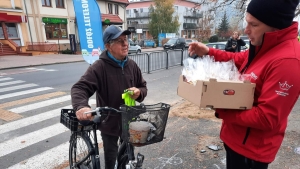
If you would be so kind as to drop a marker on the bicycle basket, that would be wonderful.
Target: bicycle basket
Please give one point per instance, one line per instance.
(144, 124)
(68, 118)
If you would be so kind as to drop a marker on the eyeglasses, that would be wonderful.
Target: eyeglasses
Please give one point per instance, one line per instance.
(119, 41)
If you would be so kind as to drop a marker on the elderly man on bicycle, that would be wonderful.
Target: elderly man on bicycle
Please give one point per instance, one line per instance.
(109, 77)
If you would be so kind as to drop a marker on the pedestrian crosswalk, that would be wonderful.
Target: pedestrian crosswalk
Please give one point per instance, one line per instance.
(33, 136)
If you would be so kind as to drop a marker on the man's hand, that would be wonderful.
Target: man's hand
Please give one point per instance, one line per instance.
(233, 46)
(136, 92)
(198, 48)
(81, 116)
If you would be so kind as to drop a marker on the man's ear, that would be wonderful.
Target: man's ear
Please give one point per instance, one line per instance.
(107, 46)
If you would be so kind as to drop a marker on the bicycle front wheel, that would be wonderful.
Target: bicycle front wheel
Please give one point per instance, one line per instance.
(81, 152)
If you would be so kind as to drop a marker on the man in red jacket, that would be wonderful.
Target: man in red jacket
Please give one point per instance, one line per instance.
(253, 137)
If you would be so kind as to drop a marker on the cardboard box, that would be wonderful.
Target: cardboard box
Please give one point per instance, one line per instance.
(215, 94)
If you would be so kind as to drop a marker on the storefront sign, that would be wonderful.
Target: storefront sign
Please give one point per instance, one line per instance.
(55, 20)
(131, 29)
(88, 18)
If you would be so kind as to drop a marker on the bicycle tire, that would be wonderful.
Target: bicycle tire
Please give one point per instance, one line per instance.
(80, 146)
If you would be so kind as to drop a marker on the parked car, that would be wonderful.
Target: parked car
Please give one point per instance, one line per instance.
(133, 48)
(188, 41)
(175, 43)
(149, 43)
(217, 45)
(247, 46)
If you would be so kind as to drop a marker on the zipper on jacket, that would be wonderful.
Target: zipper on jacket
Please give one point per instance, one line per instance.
(246, 136)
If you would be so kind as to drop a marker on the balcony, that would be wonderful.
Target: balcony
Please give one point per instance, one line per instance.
(138, 15)
(190, 26)
(139, 26)
(193, 15)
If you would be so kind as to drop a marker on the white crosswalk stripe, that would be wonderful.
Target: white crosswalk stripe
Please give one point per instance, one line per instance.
(30, 120)
(24, 92)
(5, 79)
(33, 106)
(22, 134)
(50, 159)
(31, 138)
(12, 82)
(17, 87)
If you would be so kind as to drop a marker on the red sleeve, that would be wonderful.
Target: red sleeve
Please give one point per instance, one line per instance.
(279, 93)
(224, 56)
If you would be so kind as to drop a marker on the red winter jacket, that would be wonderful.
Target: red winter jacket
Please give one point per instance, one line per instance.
(258, 133)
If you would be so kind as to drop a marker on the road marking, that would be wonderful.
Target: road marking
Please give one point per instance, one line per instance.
(34, 119)
(45, 103)
(47, 70)
(26, 140)
(18, 87)
(8, 115)
(31, 99)
(49, 159)
(31, 120)
(24, 92)
(4, 79)
(10, 83)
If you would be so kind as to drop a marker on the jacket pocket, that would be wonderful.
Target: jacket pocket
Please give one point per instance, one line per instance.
(246, 135)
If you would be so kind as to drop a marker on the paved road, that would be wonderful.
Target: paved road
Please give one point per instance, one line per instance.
(33, 137)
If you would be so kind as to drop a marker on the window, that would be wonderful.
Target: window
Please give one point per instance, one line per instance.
(110, 8)
(141, 10)
(117, 9)
(60, 4)
(46, 3)
(56, 31)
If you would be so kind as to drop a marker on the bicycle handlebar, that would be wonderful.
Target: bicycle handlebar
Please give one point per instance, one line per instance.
(98, 110)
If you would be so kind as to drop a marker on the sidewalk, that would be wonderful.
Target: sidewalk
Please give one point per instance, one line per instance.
(15, 61)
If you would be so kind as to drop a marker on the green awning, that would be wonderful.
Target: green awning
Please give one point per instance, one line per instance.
(55, 20)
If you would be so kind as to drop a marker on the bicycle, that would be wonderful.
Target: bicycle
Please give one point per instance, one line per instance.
(84, 150)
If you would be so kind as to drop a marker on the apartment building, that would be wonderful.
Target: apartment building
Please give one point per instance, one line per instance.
(189, 17)
(35, 23)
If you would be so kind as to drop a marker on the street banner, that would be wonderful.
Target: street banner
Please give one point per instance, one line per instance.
(89, 23)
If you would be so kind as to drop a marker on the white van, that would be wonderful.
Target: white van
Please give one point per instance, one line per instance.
(133, 48)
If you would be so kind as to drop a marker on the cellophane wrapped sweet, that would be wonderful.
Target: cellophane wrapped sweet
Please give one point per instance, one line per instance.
(205, 68)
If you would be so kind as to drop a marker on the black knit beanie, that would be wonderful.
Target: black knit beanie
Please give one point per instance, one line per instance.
(275, 13)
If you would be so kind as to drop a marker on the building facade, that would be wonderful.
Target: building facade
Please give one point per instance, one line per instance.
(35, 23)
(13, 29)
(188, 12)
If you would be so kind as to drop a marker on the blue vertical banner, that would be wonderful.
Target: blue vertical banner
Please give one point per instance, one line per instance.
(89, 23)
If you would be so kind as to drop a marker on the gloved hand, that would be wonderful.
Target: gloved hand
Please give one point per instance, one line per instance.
(127, 99)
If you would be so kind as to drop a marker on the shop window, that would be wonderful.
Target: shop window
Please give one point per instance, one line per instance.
(46, 3)
(117, 9)
(56, 31)
(60, 3)
(12, 31)
(110, 8)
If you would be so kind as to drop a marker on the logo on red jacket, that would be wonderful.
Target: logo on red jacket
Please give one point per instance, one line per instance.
(284, 88)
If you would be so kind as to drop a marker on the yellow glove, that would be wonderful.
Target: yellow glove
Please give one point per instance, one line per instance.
(127, 99)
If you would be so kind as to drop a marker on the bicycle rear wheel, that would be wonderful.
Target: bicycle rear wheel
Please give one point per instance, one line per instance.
(81, 152)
